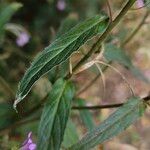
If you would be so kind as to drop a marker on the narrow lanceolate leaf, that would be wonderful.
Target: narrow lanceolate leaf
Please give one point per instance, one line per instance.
(6, 12)
(122, 118)
(55, 116)
(59, 51)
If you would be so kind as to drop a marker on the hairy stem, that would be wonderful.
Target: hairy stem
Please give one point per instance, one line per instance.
(126, 41)
(95, 47)
(104, 35)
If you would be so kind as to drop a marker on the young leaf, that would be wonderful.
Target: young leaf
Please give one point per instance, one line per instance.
(122, 118)
(55, 116)
(113, 53)
(86, 116)
(59, 51)
(6, 12)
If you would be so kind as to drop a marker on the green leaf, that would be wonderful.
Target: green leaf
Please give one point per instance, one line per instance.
(55, 116)
(60, 71)
(71, 136)
(59, 51)
(85, 115)
(117, 122)
(113, 53)
(6, 12)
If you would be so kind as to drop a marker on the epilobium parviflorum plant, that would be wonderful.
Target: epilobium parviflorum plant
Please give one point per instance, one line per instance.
(77, 47)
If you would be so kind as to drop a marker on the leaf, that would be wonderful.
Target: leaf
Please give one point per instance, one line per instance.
(113, 53)
(117, 122)
(55, 116)
(59, 51)
(86, 116)
(6, 12)
(61, 70)
(71, 136)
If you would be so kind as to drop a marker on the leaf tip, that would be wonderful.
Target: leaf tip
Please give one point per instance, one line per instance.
(15, 106)
(18, 99)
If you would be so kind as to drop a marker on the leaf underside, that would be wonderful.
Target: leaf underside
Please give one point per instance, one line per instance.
(59, 51)
(122, 118)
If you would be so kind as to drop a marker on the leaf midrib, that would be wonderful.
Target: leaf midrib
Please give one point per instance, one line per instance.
(111, 124)
(101, 19)
(57, 106)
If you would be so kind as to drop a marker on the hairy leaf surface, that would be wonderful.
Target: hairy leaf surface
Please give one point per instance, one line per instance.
(60, 71)
(59, 51)
(122, 118)
(55, 116)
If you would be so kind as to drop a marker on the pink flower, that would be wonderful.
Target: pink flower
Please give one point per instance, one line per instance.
(22, 39)
(61, 5)
(140, 3)
(28, 143)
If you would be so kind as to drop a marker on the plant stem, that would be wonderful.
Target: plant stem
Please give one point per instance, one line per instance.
(104, 106)
(128, 39)
(135, 31)
(104, 35)
(23, 121)
(94, 47)
(87, 86)
(97, 106)
(109, 10)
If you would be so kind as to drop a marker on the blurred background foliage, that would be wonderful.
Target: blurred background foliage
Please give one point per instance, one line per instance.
(40, 22)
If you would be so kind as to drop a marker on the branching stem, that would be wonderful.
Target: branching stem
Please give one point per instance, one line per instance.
(104, 35)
